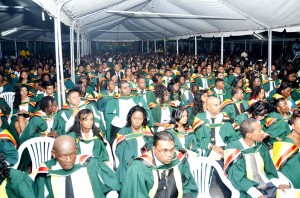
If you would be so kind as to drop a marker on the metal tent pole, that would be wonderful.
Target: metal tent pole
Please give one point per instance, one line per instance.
(57, 63)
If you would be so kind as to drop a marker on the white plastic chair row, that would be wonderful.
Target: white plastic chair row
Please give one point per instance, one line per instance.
(9, 97)
(201, 168)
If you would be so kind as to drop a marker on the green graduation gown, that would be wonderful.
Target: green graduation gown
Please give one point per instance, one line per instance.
(127, 147)
(67, 110)
(202, 128)
(99, 149)
(4, 107)
(113, 107)
(8, 147)
(231, 109)
(19, 184)
(142, 179)
(149, 95)
(239, 170)
(37, 125)
(276, 126)
(156, 113)
(184, 139)
(225, 94)
(90, 178)
(104, 97)
(286, 157)
(4, 121)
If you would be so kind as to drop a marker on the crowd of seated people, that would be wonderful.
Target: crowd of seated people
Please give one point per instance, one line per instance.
(155, 112)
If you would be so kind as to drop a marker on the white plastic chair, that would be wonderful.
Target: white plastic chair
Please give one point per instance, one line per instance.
(201, 168)
(39, 149)
(9, 97)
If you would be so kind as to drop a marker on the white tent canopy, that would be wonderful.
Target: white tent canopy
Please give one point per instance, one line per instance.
(131, 20)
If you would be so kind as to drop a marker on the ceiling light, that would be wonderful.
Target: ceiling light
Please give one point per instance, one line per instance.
(7, 7)
(10, 31)
(43, 16)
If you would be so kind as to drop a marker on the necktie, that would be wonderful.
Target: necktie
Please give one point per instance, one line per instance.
(142, 92)
(213, 132)
(69, 187)
(219, 95)
(164, 179)
(238, 106)
(256, 177)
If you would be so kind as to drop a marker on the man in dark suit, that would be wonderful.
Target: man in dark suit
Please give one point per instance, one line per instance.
(118, 73)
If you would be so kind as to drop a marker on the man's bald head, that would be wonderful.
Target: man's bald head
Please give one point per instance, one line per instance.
(65, 151)
(213, 106)
(64, 142)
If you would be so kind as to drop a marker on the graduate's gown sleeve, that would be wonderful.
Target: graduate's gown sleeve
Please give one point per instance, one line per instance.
(34, 128)
(138, 181)
(191, 142)
(229, 110)
(20, 185)
(203, 137)
(279, 129)
(4, 107)
(103, 179)
(5, 124)
(9, 151)
(110, 113)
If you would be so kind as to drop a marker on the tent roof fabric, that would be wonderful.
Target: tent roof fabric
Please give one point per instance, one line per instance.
(132, 20)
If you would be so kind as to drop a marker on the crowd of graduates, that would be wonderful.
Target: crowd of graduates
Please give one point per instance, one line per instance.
(122, 101)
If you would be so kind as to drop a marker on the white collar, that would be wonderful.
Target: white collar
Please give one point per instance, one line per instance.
(139, 90)
(245, 146)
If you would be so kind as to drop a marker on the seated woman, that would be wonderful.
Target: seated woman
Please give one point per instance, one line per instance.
(183, 133)
(254, 82)
(285, 153)
(132, 140)
(24, 80)
(257, 111)
(88, 136)
(104, 80)
(14, 183)
(277, 121)
(175, 96)
(23, 108)
(162, 111)
(257, 94)
(130, 78)
(44, 122)
(237, 82)
(284, 91)
(200, 99)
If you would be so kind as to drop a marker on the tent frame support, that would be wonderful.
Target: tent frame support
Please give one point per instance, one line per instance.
(269, 51)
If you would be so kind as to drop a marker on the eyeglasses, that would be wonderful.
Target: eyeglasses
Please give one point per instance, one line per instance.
(166, 151)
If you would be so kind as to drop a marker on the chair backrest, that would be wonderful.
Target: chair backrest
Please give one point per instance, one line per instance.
(110, 156)
(39, 149)
(9, 97)
(201, 168)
